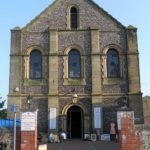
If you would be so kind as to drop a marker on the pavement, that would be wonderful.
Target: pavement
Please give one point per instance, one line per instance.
(83, 145)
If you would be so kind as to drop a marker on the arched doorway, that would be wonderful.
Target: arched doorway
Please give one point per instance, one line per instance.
(75, 122)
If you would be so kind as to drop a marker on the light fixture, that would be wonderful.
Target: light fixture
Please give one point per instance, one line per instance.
(74, 98)
(75, 95)
(29, 101)
(16, 89)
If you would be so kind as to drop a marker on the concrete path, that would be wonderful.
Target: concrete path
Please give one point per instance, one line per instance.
(83, 145)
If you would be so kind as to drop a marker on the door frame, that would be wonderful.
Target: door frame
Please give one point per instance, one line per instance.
(69, 114)
(87, 123)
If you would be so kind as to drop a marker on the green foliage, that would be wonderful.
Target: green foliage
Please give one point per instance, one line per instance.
(3, 113)
(2, 104)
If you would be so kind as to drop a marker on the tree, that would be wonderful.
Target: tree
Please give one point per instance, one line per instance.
(2, 104)
(2, 111)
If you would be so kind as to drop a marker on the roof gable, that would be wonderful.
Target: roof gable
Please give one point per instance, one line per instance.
(53, 6)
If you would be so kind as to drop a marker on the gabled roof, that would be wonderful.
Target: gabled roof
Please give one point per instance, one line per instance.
(90, 1)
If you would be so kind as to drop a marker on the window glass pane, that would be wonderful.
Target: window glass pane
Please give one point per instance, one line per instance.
(35, 65)
(74, 18)
(74, 65)
(113, 64)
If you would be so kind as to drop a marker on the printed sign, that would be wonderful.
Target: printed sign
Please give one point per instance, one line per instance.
(28, 121)
(97, 117)
(14, 108)
(52, 118)
(42, 147)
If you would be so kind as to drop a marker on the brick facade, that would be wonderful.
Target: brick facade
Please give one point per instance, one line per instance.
(146, 110)
(50, 33)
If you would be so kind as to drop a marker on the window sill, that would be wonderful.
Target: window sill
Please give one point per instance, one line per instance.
(69, 81)
(113, 81)
(29, 82)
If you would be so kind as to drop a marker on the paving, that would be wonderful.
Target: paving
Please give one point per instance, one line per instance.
(83, 145)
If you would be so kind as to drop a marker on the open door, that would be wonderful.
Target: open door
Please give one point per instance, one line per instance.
(75, 122)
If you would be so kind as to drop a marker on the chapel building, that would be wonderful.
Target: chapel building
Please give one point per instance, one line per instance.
(77, 65)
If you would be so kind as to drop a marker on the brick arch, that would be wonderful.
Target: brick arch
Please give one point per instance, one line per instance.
(118, 48)
(66, 108)
(31, 48)
(74, 46)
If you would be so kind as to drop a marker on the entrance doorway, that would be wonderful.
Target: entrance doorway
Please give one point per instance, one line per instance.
(75, 122)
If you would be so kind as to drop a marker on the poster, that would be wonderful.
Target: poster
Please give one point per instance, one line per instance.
(97, 117)
(52, 118)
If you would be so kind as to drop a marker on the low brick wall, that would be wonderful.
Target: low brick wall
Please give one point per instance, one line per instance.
(131, 136)
(144, 131)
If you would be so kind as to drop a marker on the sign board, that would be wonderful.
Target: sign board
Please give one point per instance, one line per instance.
(42, 147)
(97, 117)
(28, 121)
(52, 124)
(93, 137)
(105, 137)
(14, 108)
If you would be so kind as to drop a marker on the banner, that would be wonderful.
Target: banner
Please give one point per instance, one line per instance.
(97, 117)
(52, 118)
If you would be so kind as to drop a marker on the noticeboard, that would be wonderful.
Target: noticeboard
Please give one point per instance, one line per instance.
(97, 117)
(52, 124)
(28, 121)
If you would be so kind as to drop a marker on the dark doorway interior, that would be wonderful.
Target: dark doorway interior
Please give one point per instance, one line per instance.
(75, 122)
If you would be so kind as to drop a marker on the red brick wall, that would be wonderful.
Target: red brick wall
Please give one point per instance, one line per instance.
(26, 140)
(18, 140)
(129, 137)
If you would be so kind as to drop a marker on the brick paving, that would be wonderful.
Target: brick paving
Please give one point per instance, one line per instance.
(83, 145)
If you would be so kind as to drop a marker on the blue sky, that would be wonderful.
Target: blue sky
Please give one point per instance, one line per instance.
(20, 12)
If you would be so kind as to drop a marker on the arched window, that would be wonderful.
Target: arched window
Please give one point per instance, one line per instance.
(35, 64)
(73, 18)
(74, 64)
(113, 69)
